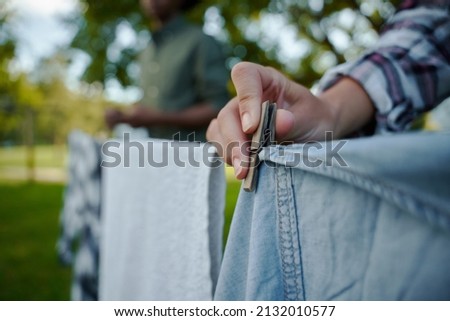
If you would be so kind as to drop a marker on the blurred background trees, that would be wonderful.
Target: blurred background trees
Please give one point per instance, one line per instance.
(302, 38)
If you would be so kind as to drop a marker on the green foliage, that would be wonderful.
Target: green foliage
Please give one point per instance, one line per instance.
(7, 41)
(317, 25)
(65, 109)
(97, 31)
(322, 33)
(7, 48)
(56, 110)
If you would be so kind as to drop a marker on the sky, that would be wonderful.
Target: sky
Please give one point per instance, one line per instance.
(37, 27)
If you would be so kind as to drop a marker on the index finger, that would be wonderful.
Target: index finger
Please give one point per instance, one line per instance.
(254, 84)
(247, 81)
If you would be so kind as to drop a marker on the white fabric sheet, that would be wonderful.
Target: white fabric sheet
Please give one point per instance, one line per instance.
(162, 225)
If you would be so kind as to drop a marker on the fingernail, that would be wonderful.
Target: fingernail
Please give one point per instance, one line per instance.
(237, 166)
(246, 122)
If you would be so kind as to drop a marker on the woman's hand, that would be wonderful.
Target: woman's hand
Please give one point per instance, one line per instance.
(301, 116)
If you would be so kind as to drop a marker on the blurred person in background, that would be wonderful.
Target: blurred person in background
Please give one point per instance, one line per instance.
(183, 76)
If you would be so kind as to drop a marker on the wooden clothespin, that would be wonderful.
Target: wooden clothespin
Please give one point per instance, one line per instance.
(264, 136)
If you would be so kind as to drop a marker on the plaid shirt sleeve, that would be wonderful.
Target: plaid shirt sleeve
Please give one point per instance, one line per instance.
(408, 71)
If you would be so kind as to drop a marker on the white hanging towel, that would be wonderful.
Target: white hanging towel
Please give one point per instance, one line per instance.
(162, 220)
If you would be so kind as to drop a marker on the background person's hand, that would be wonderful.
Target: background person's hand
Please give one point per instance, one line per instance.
(301, 116)
(113, 117)
(140, 116)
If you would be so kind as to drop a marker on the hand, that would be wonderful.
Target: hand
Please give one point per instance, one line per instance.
(140, 116)
(301, 116)
(113, 117)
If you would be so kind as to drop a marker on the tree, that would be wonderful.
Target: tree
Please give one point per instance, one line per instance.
(97, 28)
(66, 109)
(7, 41)
(323, 33)
(7, 48)
(37, 107)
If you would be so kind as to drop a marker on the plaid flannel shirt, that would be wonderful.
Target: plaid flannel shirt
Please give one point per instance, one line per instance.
(408, 71)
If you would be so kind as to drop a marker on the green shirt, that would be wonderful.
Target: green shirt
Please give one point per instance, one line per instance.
(181, 67)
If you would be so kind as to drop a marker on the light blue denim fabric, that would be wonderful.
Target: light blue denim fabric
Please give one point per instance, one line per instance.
(376, 229)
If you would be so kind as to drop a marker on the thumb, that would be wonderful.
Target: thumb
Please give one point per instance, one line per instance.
(284, 125)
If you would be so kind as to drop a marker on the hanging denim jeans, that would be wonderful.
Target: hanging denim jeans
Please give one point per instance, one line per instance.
(364, 219)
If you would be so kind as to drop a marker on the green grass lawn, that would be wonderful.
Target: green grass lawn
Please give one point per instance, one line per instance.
(233, 188)
(45, 156)
(29, 228)
(29, 268)
(29, 214)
